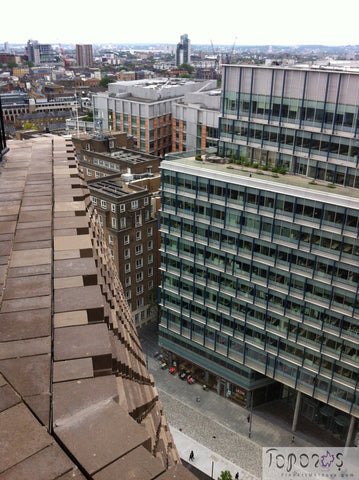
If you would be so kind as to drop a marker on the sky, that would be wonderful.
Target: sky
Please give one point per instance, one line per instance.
(251, 22)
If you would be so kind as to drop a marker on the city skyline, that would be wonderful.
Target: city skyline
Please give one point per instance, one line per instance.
(261, 23)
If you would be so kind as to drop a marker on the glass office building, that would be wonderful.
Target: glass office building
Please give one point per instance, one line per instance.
(259, 292)
(259, 283)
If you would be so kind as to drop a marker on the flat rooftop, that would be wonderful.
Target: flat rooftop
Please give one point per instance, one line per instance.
(287, 184)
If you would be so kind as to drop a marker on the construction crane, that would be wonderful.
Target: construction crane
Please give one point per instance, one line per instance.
(67, 63)
(229, 56)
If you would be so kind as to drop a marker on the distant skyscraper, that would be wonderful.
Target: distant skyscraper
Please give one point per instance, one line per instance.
(84, 55)
(6, 47)
(183, 51)
(39, 52)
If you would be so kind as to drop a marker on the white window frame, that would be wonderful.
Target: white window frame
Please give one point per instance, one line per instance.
(150, 245)
(150, 258)
(128, 281)
(126, 239)
(100, 219)
(139, 290)
(138, 235)
(150, 272)
(110, 239)
(139, 263)
(127, 267)
(127, 253)
(145, 201)
(94, 200)
(104, 204)
(122, 207)
(114, 222)
(89, 172)
(150, 232)
(139, 249)
(123, 222)
(134, 205)
(139, 277)
(113, 208)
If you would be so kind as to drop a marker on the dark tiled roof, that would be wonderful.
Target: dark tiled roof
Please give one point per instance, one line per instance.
(76, 399)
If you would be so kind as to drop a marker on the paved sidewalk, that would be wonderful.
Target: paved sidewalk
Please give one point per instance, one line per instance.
(205, 459)
(219, 427)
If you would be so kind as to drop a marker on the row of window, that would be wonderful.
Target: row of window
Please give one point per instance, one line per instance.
(292, 140)
(297, 341)
(138, 249)
(126, 238)
(139, 277)
(134, 204)
(139, 263)
(291, 110)
(261, 200)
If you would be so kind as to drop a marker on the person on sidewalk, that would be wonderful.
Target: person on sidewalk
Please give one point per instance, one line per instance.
(191, 455)
(237, 476)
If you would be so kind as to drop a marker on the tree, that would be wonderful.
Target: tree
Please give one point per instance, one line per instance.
(29, 64)
(226, 475)
(105, 81)
(11, 64)
(187, 67)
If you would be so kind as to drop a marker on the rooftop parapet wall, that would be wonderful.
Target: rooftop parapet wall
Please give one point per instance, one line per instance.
(70, 358)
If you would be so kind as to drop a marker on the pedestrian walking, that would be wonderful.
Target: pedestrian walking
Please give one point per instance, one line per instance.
(237, 476)
(293, 440)
(248, 418)
(191, 455)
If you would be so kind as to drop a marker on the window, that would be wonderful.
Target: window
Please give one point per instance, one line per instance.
(111, 144)
(139, 277)
(126, 239)
(87, 146)
(147, 215)
(139, 302)
(138, 220)
(100, 219)
(127, 267)
(110, 239)
(149, 232)
(150, 245)
(103, 204)
(150, 258)
(139, 263)
(122, 207)
(145, 201)
(134, 204)
(123, 223)
(128, 295)
(150, 272)
(139, 290)
(97, 174)
(94, 200)
(127, 253)
(113, 222)
(128, 281)
(89, 172)
(112, 254)
(138, 249)
(138, 235)
(150, 284)
(113, 208)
